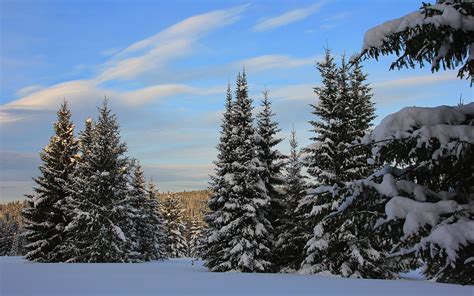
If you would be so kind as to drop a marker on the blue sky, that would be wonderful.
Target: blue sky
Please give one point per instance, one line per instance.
(165, 66)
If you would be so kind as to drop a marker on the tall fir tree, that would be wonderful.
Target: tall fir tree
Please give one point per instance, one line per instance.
(153, 238)
(212, 248)
(149, 237)
(45, 215)
(292, 232)
(173, 212)
(345, 112)
(242, 240)
(272, 162)
(101, 229)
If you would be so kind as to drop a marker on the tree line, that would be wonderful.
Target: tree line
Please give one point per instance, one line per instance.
(92, 203)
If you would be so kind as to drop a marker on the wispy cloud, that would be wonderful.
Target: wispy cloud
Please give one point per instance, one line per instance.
(268, 62)
(416, 80)
(304, 92)
(288, 17)
(150, 54)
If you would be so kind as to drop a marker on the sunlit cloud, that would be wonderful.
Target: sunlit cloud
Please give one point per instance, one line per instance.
(288, 17)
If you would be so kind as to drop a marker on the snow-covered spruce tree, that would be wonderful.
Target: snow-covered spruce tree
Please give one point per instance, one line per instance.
(149, 233)
(195, 237)
(173, 213)
(101, 229)
(242, 241)
(440, 34)
(272, 162)
(426, 188)
(326, 159)
(336, 160)
(18, 243)
(352, 250)
(293, 232)
(212, 247)
(362, 113)
(9, 228)
(154, 242)
(45, 216)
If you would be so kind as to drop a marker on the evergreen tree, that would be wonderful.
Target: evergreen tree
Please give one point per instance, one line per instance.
(292, 232)
(242, 240)
(45, 216)
(8, 231)
(101, 229)
(173, 213)
(195, 237)
(438, 34)
(154, 242)
(18, 243)
(424, 190)
(345, 111)
(272, 163)
(212, 248)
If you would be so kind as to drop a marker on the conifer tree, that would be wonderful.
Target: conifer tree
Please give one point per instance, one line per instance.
(195, 237)
(101, 229)
(242, 241)
(9, 228)
(292, 232)
(154, 242)
(45, 216)
(212, 248)
(272, 162)
(173, 213)
(345, 113)
(438, 34)
(149, 233)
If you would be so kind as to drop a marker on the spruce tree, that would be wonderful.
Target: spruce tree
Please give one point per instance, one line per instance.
(9, 228)
(292, 232)
(154, 242)
(242, 241)
(45, 215)
(101, 229)
(345, 113)
(438, 34)
(220, 187)
(325, 161)
(195, 237)
(173, 213)
(272, 162)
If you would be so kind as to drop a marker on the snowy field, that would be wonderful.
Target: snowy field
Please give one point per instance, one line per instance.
(179, 277)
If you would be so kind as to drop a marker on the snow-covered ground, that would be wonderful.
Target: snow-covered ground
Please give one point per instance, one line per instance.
(179, 277)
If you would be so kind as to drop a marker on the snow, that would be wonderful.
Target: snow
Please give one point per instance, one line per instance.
(437, 121)
(417, 214)
(181, 277)
(451, 236)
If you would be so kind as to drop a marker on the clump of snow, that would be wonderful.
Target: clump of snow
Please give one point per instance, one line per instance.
(118, 231)
(437, 121)
(450, 237)
(417, 214)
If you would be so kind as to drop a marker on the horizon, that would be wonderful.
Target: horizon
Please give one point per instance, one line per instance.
(171, 72)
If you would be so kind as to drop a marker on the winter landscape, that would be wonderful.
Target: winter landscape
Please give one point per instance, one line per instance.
(207, 148)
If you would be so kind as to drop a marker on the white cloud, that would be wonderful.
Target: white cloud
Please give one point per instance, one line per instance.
(156, 92)
(48, 98)
(294, 92)
(176, 41)
(416, 80)
(288, 17)
(268, 62)
(139, 58)
(191, 28)
(28, 90)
